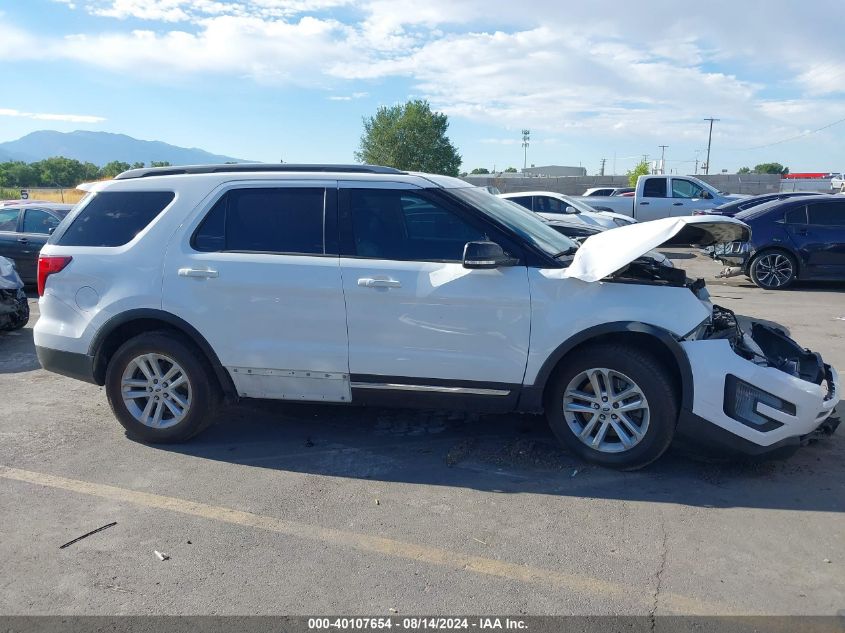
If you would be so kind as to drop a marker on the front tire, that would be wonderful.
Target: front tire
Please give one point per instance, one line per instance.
(160, 388)
(613, 404)
(773, 270)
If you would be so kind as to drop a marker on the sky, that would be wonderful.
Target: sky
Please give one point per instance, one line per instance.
(290, 80)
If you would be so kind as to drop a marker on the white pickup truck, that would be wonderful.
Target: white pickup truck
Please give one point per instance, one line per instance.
(662, 197)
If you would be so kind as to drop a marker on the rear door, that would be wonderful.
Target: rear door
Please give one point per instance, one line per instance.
(256, 273)
(419, 322)
(35, 231)
(823, 239)
(653, 203)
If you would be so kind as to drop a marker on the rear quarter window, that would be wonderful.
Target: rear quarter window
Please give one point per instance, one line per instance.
(113, 218)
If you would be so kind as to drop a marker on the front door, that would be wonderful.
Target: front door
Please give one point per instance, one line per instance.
(256, 274)
(418, 320)
(688, 196)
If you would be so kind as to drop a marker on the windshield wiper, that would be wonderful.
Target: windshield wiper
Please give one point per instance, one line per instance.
(569, 251)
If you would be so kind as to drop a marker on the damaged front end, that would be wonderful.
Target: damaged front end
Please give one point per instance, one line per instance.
(772, 390)
(14, 307)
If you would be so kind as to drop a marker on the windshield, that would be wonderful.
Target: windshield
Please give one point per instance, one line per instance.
(518, 219)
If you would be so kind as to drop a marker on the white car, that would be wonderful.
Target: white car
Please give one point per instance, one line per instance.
(556, 206)
(178, 287)
(837, 182)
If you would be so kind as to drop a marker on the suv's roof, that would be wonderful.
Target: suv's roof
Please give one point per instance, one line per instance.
(255, 167)
(209, 176)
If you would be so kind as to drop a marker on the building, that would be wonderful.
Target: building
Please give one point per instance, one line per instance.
(554, 171)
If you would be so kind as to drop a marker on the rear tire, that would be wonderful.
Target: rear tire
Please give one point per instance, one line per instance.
(161, 389)
(630, 422)
(773, 270)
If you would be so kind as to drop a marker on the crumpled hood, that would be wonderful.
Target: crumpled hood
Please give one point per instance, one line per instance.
(603, 254)
(9, 278)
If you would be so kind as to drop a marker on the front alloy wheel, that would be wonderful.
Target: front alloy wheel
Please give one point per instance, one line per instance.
(773, 270)
(615, 404)
(606, 410)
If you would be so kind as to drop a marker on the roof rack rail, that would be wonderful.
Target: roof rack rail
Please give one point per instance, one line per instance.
(254, 167)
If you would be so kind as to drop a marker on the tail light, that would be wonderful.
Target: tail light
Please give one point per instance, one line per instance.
(47, 266)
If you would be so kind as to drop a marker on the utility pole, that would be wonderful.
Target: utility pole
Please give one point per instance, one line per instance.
(526, 137)
(662, 158)
(603, 161)
(709, 139)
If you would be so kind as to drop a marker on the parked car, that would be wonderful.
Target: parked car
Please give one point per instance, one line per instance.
(14, 307)
(24, 229)
(837, 182)
(555, 206)
(607, 191)
(662, 197)
(730, 209)
(797, 238)
(357, 284)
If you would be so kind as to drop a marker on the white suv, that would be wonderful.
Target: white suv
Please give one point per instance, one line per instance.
(178, 287)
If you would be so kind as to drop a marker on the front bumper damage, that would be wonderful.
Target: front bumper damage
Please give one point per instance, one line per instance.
(14, 309)
(755, 389)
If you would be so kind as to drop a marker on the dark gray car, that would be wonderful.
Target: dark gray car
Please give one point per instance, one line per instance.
(24, 229)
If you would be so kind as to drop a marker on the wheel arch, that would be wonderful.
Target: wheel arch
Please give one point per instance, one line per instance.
(124, 326)
(782, 248)
(642, 335)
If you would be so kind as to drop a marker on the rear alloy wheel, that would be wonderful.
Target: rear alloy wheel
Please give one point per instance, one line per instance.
(160, 388)
(773, 270)
(613, 404)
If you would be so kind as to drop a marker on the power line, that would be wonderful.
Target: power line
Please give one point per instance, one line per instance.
(791, 138)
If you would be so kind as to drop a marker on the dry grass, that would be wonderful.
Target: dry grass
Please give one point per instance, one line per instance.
(69, 196)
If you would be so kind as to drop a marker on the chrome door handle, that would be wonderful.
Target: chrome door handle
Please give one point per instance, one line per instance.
(369, 282)
(677, 204)
(643, 202)
(197, 272)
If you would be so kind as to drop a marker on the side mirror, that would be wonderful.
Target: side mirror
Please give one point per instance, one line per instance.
(486, 255)
(51, 230)
(572, 210)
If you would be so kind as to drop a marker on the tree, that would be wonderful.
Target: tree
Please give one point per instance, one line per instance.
(743, 170)
(642, 169)
(17, 174)
(138, 165)
(510, 170)
(59, 171)
(159, 163)
(771, 168)
(409, 137)
(112, 169)
(479, 170)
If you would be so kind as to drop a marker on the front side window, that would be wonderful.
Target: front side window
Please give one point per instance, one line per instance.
(266, 220)
(685, 189)
(827, 213)
(654, 188)
(399, 225)
(39, 221)
(112, 218)
(545, 204)
(8, 219)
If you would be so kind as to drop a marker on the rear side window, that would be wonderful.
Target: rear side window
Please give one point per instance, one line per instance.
(828, 214)
(654, 188)
(113, 218)
(523, 201)
(272, 220)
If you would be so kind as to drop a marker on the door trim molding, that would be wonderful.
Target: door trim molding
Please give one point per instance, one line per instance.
(392, 386)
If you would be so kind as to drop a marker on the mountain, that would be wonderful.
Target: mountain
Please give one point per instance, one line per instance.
(103, 147)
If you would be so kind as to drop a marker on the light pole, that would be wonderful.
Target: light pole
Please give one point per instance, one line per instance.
(709, 139)
(526, 137)
(662, 158)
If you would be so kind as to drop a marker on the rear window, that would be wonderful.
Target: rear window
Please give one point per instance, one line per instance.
(113, 218)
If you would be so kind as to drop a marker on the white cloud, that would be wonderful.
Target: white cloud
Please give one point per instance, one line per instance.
(352, 97)
(41, 116)
(618, 71)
